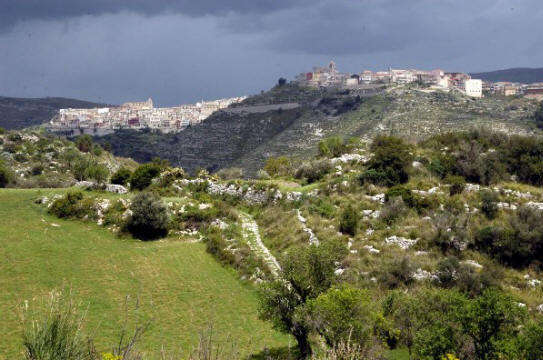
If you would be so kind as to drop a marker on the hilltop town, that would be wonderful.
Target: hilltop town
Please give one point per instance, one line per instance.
(140, 115)
(329, 76)
(135, 115)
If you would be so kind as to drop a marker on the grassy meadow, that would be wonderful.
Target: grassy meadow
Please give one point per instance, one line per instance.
(176, 285)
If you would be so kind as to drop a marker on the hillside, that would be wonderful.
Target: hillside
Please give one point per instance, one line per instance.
(34, 158)
(521, 75)
(406, 249)
(178, 286)
(246, 139)
(19, 113)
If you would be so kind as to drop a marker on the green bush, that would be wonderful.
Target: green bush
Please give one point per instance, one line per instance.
(84, 143)
(323, 208)
(332, 147)
(400, 191)
(121, 176)
(15, 137)
(344, 313)
(68, 205)
(348, 223)
(56, 334)
(149, 219)
(390, 161)
(97, 172)
(230, 173)
(489, 205)
(518, 243)
(279, 166)
(313, 170)
(6, 176)
(397, 273)
(457, 183)
(144, 175)
(37, 169)
(97, 150)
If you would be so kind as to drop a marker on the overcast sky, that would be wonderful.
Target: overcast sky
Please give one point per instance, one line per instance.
(180, 51)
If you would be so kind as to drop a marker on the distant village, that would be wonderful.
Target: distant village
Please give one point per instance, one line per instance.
(140, 115)
(135, 115)
(329, 76)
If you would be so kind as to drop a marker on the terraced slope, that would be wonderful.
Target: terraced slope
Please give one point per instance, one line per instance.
(247, 139)
(179, 286)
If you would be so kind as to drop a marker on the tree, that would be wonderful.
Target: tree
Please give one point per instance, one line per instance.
(84, 143)
(5, 176)
(332, 147)
(348, 224)
(279, 166)
(343, 314)
(97, 172)
(426, 321)
(489, 319)
(457, 184)
(282, 81)
(144, 175)
(529, 344)
(121, 176)
(149, 219)
(391, 159)
(489, 205)
(306, 273)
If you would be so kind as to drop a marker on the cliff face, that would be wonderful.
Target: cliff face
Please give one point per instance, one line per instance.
(18, 113)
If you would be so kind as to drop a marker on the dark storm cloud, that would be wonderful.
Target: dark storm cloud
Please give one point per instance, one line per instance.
(182, 51)
(15, 11)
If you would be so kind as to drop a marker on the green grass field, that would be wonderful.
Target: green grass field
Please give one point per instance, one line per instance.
(179, 286)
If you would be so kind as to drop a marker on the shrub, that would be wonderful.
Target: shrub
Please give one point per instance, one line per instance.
(6, 176)
(56, 333)
(230, 173)
(262, 175)
(447, 270)
(97, 172)
(488, 203)
(517, 244)
(323, 208)
(402, 192)
(344, 313)
(397, 273)
(489, 319)
(390, 161)
(84, 143)
(313, 170)
(279, 166)
(332, 147)
(68, 205)
(19, 157)
(149, 219)
(37, 169)
(121, 176)
(348, 224)
(529, 344)
(12, 147)
(144, 175)
(392, 210)
(97, 150)
(457, 184)
(15, 137)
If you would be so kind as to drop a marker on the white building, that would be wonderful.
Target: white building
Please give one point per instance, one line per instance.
(473, 87)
